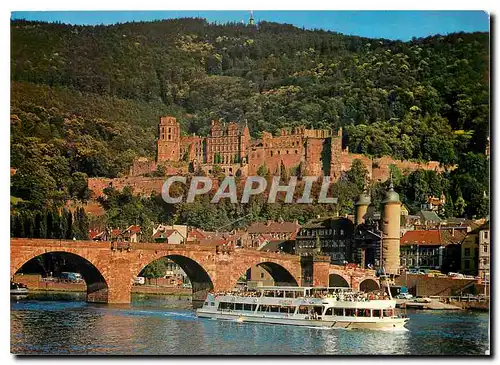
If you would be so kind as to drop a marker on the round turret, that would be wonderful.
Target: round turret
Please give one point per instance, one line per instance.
(363, 199)
(391, 196)
(361, 208)
(391, 231)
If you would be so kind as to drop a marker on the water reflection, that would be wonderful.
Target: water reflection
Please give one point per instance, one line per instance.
(167, 325)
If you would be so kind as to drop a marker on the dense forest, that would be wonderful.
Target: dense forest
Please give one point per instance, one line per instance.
(85, 100)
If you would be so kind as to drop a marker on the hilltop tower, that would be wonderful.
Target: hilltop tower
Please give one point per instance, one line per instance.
(168, 140)
(361, 208)
(251, 21)
(391, 227)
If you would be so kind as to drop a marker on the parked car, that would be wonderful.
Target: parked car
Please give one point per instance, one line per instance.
(73, 277)
(455, 275)
(423, 300)
(139, 280)
(404, 296)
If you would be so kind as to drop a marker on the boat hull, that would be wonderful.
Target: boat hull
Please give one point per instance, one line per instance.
(351, 323)
(20, 291)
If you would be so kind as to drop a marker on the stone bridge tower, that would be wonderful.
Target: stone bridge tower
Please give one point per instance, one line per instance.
(391, 231)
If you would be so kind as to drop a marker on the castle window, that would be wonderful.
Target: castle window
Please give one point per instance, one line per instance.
(279, 152)
(287, 152)
(296, 151)
(169, 137)
(169, 130)
(271, 153)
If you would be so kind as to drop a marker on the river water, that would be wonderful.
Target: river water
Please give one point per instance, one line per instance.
(156, 325)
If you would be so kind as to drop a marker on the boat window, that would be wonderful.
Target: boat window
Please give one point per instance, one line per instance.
(387, 312)
(263, 308)
(287, 309)
(349, 312)
(206, 303)
(247, 307)
(376, 313)
(363, 312)
(303, 309)
(289, 294)
(338, 311)
(318, 310)
(239, 306)
(212, 304)
(275, 308)
(329, 312)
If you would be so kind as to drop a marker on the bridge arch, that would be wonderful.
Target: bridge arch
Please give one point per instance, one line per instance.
(199, 276)
(338, 280)
(280, 275)
(368, 285)
(97, 286)
(285, 272)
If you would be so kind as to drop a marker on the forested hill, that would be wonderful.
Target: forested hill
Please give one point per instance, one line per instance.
(274, 75)
(86, 99)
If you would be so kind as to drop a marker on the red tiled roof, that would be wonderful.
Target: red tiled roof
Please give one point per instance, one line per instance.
(93, 233)
(169, 232)
(134, 229)
(422, 237)
(272, 227)
(164, 233)
(196, 233)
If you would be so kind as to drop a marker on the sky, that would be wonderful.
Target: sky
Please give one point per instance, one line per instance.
(402, 25)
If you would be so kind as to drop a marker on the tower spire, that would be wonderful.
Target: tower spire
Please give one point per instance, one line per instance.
(251, 21)
(391, 184)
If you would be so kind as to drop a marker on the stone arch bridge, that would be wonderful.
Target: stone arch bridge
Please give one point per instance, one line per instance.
(109, 268)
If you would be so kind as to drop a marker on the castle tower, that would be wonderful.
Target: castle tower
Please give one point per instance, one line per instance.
(168, 140)
(361, 208)
(391, 231)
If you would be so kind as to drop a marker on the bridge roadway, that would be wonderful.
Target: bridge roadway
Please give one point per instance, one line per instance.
(109, 268)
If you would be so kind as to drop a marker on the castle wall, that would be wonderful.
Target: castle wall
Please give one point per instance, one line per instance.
(141, 185)
(141, 166)
(346, 160)
(193, 146)
(314, 151)
(381, 170)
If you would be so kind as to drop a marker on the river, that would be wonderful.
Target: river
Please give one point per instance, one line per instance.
(161, 325)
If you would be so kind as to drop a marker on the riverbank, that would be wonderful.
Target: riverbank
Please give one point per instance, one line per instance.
(435, 304)
(432, 305)
(79, 288)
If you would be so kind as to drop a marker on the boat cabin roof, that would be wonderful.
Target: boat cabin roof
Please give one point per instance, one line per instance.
(302, 288)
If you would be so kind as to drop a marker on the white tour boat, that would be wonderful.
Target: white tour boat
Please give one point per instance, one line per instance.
(304, 306)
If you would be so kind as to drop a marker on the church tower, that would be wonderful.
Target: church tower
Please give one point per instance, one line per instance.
(391, 227)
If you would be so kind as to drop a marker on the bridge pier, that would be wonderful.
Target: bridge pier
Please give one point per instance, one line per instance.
(321, 270)
(97, 293)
